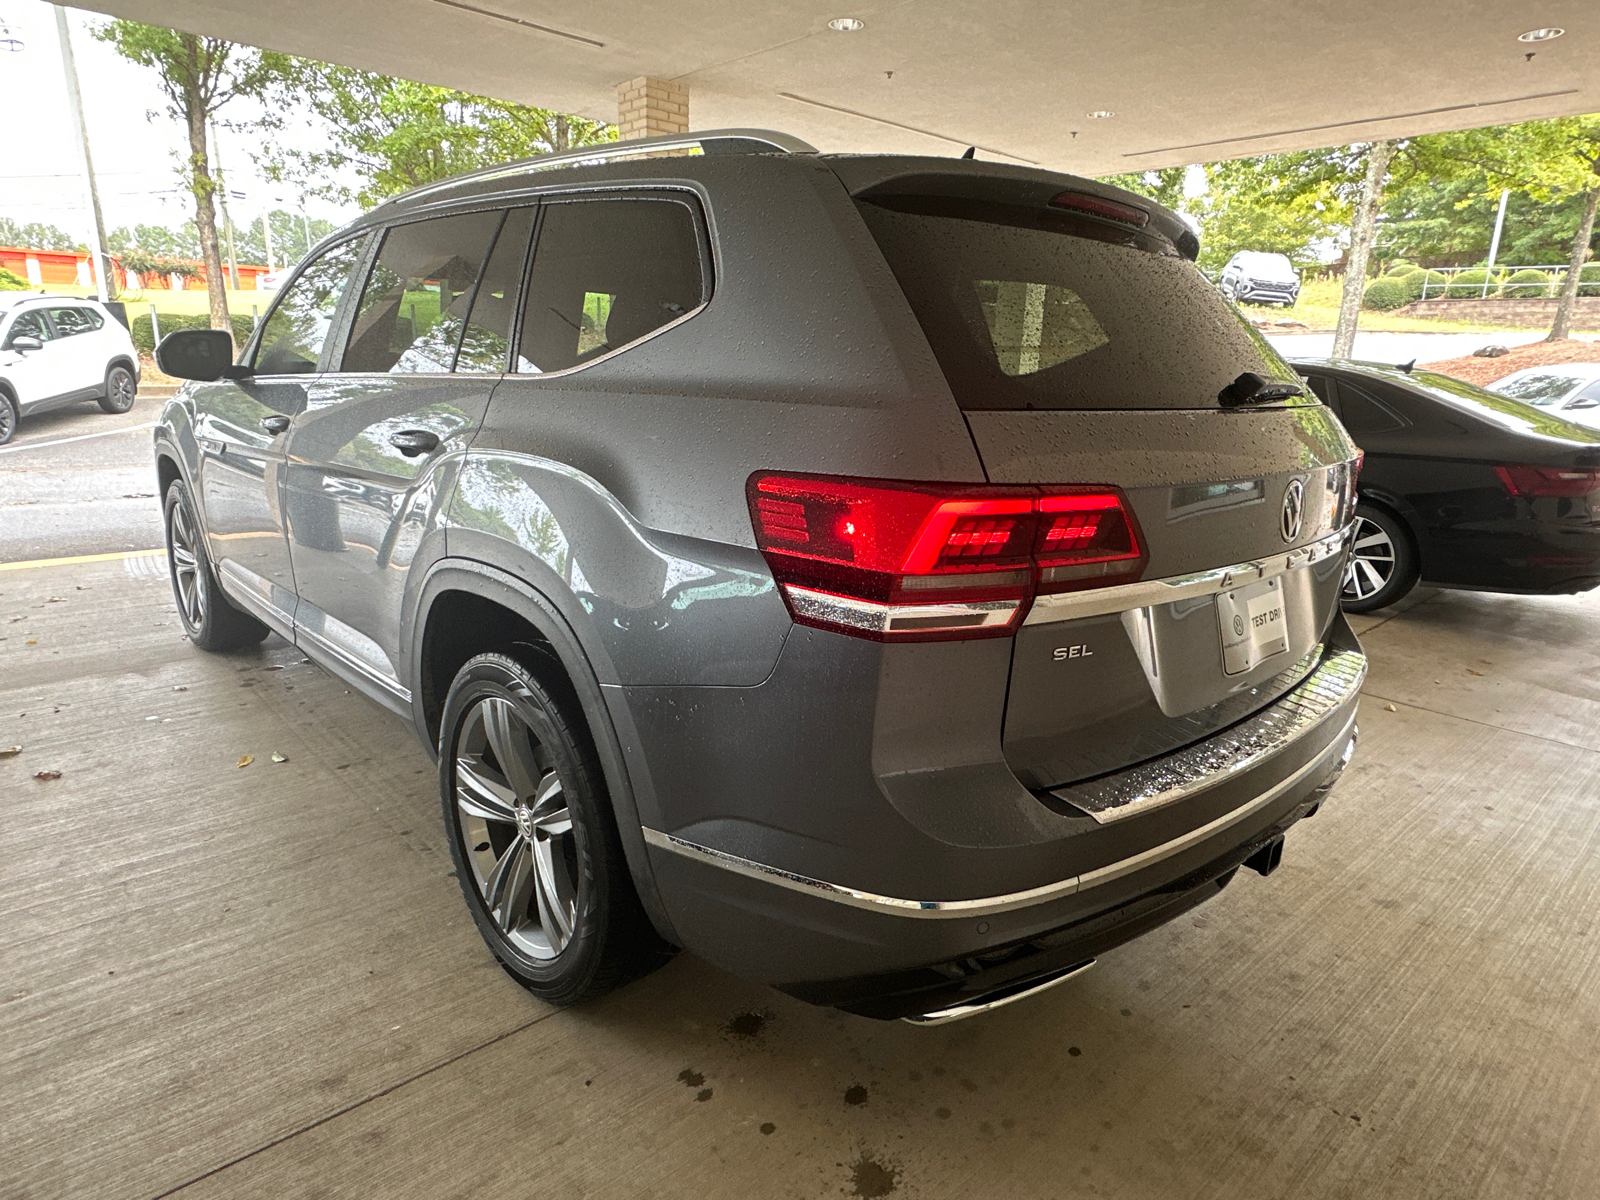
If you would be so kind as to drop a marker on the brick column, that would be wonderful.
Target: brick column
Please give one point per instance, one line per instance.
(648, 106)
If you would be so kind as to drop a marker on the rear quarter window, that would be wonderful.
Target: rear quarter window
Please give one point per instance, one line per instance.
(1029, 308)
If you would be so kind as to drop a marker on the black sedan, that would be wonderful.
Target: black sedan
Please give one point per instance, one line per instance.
(1461, 488)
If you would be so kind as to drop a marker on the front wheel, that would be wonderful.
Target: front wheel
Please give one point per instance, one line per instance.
(1383, 565)
(120, 390)
(211, 622)
(534, 841)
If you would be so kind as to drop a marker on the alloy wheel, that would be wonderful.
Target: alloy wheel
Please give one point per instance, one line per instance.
(120, 390)
(187, 575)
(516, 828)
(1372, 561)
(8, 419)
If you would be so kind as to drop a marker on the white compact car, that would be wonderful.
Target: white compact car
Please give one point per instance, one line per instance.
(1570, 389)
(57, 350)
(1255, 277)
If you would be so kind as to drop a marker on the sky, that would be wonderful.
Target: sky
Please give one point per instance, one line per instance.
(133, 141)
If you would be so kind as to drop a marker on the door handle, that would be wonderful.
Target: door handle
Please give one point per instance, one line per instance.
(413, 442)
(275, 425)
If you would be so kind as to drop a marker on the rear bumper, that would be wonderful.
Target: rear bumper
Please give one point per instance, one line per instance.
(885, 954)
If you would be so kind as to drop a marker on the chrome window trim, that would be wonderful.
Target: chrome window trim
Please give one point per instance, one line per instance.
(1337, 749)
(1096, 602)
(1239, 748)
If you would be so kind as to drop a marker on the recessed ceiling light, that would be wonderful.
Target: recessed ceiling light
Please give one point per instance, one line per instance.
(1541, 35)
(846, 24)
(1100, 114)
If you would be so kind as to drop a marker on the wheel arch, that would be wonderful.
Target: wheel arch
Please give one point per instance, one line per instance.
(465, 608)
(1395, 505)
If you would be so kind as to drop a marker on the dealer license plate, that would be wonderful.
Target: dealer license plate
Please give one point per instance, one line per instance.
(1252, 623)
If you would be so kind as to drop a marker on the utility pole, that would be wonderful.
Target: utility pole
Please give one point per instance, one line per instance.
(105, 286)
(1499, 224)
(227, 222)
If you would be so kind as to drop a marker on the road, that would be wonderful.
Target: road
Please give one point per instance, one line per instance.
(80, 481)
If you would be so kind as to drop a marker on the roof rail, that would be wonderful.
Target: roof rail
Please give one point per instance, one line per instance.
(710, 141)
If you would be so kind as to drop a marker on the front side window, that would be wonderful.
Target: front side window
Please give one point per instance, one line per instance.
(414, 306)
(1543, 390)
(30, 324)
(291, 343)
(606, 273)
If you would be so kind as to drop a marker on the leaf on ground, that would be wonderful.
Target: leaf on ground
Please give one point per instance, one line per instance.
(1390, 708)
(246, 759)
(54, 600)
(182, 687)
(10, 752)
(45, 776)
(32, 642)
(1470, 671)
(276, 757)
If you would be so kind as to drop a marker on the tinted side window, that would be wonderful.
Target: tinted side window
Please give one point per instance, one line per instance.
(606, 273)
(486, 344)
(1592, 392)
(72, 320)
(415, 303)
(291, 343)
(1321, 388)
(30, 324)
(1362, 413)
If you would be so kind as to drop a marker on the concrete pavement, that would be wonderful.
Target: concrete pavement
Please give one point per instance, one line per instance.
(261, 981)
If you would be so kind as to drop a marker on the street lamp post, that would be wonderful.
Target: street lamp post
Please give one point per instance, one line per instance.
(104, 285)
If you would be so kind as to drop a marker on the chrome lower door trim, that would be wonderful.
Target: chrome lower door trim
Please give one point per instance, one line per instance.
(351, 663)
(998, 998)
(1239, 748)
(1072, 606)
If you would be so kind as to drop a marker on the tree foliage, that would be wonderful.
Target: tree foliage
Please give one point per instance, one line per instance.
(160, 241)
(395, 134)
(36, 235)
(291, 240)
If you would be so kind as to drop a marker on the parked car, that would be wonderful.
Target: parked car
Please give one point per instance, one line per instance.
(57, 350)
(1462, 487)
(1571, 390)
(896, 579)
(1255, 277)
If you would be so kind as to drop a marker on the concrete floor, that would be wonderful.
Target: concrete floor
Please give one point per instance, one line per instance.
(261, 981)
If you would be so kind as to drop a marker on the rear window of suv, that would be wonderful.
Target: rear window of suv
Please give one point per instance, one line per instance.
(1035, 308)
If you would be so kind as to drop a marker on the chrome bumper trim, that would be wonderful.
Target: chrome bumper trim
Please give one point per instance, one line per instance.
(999, 998)
(986, 905)
(1221, 756)
(1072, 606)
(871, 617)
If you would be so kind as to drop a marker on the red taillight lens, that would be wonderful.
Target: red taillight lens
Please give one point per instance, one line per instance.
(1098, 206)
(901, 561)
(1549, 481)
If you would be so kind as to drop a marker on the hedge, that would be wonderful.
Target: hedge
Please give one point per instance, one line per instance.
(10, 281)
(1402, 267)
(1589, 280)
(1527, 284)
(1413, 280)
(1469, 284)
(1385, 293)
(172, 322)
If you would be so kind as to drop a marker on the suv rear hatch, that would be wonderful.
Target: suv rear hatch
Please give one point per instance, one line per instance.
(1084, 348)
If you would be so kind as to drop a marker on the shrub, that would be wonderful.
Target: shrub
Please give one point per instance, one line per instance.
(1469, 284)
(1526, 284)
(1401, 267)
(1589, 280)
(1385, 293)
(10, 281)
(1413, 281)
(156, 264)
(172, 322)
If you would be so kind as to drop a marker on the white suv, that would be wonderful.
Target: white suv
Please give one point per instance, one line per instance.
(57, 350)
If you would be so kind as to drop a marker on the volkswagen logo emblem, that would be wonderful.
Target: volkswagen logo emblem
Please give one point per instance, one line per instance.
(1294, 509)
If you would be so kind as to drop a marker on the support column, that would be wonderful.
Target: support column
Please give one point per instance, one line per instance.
(649, 107)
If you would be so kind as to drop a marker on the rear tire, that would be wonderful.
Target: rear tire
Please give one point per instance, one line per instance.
(121, 390)
(9, 416)
(534, 840)
(211, 621)
(1383, 564)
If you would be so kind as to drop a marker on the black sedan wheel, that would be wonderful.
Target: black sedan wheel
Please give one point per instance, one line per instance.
(210, 620)
(1383, 566)
(120, 390)
(533, 837)
(8, 418)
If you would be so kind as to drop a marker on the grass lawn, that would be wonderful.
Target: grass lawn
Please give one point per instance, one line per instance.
(1318, 307)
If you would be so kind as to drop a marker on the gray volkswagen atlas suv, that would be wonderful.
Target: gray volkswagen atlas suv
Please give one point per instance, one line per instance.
(899, 580)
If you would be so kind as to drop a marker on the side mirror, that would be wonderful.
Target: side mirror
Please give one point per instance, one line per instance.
(202, 354)
(24, 344)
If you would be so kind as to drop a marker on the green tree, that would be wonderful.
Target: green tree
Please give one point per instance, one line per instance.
(1561, 158)
(159, 240)
(292, 238)
(199, 76)
(394, 134)
(35, 235)
(1164, 186)
(1269, 204)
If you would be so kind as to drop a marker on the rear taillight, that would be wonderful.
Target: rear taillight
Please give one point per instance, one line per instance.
(1549, 481)
(902, 561)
